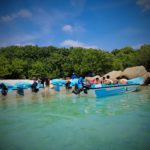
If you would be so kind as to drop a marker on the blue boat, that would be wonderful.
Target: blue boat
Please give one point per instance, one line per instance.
(9, 86)
(20, 85)
(26, 85)
(103, 90)
(111, 90)
(58, 82)
(23, 85)
(99, 90)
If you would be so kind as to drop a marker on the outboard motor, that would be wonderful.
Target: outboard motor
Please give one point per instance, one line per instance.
(86, 87)
(34, 87)
(77, 90)
(20, 91)
(4, 89)
(67, 85)
(42, 81)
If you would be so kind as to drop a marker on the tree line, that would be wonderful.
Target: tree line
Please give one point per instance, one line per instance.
(33, 61)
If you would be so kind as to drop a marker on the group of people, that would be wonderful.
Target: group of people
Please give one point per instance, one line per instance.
(87, 83)
(103, 80)
(107, 80)
(81, 81)
(44, 81)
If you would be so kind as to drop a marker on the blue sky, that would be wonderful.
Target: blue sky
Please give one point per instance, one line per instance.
(104, 24)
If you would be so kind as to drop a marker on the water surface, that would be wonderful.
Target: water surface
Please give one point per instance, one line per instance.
(54, 121)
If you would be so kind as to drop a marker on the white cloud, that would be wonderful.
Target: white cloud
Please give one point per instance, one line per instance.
(137, 46)
(24, 44)
(43, 20)
(70, 29)
(72, 43)
(144, 3)
(23, 13)
(5, 18)
(67, 28)
(19, 39)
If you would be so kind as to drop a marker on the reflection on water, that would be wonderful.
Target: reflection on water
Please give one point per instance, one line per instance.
(54, 120)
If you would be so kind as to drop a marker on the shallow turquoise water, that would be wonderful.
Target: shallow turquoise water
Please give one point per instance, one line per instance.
(63, 121)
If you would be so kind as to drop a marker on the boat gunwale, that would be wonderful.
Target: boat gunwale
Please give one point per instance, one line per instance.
(112, 86)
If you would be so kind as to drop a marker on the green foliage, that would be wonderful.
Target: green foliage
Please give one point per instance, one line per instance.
(34, 61)
(17, 68)
(144, 56)
(37, 69)
(117, 64)
(4, 67)
(124, 58)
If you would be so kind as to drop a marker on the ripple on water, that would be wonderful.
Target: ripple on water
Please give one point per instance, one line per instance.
(49, 120)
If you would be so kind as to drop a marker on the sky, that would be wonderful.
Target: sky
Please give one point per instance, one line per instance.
(101, 24)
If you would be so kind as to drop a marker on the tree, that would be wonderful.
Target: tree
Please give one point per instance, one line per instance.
(4, 67)
(144, 56)
(125, 58)
(17, 68)
(38, 69)
(29, 61)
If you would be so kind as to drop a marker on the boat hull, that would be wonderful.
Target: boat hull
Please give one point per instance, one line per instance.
(111, 91)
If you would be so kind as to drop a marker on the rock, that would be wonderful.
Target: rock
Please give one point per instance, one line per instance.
(147, 78)
(113, 74)
(133, 72)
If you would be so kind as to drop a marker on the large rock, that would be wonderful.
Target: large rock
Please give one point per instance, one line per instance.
(133, 72)
(113, 74)
(147, 78)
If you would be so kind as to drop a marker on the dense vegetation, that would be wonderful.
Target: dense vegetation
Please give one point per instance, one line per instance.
(34, 61)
